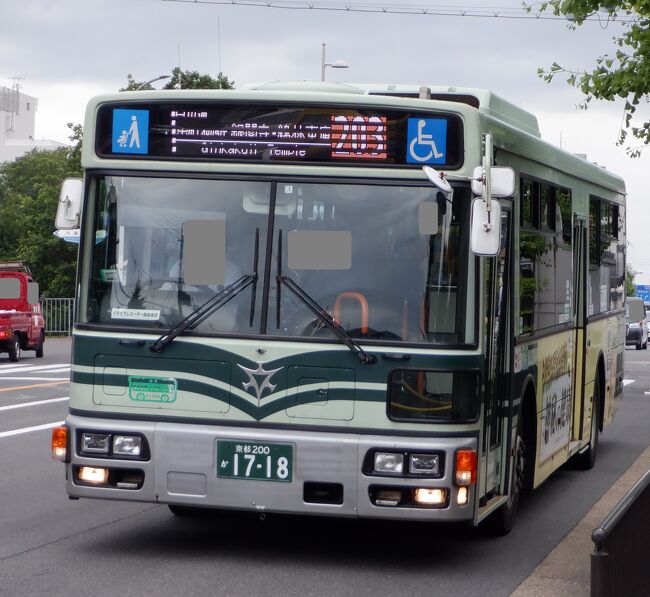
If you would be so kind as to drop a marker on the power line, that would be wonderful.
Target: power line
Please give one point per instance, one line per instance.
(406, 9)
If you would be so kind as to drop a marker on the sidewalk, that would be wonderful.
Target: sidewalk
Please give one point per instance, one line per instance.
(566, 570)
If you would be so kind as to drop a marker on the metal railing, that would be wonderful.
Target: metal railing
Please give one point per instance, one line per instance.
(59, 315)
(620, 566)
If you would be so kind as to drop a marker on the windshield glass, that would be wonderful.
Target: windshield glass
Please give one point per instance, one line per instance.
(165, 246)
(388, 262)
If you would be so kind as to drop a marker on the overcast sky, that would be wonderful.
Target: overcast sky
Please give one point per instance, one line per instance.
(69, 50)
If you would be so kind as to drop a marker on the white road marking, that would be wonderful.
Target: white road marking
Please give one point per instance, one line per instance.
(36, 403)
(627, 382)
(37, 378)
(23, 369)
(29, 429)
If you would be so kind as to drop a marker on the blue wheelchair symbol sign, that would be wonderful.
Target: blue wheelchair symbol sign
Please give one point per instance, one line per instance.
(130, 131)
(427, 141)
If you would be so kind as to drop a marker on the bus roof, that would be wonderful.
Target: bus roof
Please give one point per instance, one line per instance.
(463, 100)
(483, 99)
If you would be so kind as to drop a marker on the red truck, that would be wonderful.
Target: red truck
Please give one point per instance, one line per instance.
(22, 326)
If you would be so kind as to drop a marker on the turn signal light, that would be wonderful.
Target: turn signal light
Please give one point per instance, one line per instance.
(60, 443)
(466, 467)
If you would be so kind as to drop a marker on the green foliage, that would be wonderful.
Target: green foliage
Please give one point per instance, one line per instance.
(133, 85)
(29, 194)
(630, 288)
(76, 136)
(626, 73)
(182, 79)
(191, 79)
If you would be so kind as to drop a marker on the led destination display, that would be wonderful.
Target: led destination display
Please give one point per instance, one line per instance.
(225, 132)
(343, 136)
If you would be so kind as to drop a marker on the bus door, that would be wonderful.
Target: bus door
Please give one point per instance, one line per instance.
(497, 390)
(579, 318)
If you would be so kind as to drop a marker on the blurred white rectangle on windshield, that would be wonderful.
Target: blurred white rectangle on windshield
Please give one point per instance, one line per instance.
(319, 249)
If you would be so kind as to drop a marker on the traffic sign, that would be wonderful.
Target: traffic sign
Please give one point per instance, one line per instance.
(643, 292)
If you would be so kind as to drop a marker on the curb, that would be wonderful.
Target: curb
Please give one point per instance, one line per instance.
(567, 569)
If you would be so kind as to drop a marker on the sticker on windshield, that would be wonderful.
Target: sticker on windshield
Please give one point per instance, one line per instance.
(130, 131)
(426, 141)
(152, 389)
(135, 314)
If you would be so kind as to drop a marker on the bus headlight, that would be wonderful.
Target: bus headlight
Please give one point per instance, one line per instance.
(127, 445)
(387, 462)
(95, 443)
(424, 464)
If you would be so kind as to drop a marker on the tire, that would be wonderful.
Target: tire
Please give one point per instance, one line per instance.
(587, 459)
(502, 521)
(645, 345)
(638, 346)
(14, 349)
(39, 346)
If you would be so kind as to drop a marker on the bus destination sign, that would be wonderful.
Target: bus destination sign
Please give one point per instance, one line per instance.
(195, 133)
(259, 132)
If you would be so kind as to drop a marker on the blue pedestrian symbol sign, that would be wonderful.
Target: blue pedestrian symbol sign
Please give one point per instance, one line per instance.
(427, 141)
(130, 131)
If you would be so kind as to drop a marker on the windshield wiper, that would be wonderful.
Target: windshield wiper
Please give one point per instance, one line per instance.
(210, 306)
(214, 303)
(339, 331)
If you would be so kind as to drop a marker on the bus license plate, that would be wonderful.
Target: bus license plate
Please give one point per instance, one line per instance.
(254, 460)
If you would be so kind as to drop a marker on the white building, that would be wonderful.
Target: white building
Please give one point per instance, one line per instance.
(17, 124)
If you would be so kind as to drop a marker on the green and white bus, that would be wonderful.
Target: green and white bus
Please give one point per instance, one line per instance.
(362, 301)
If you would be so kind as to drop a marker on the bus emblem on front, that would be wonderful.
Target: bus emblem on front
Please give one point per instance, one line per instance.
(255, 376)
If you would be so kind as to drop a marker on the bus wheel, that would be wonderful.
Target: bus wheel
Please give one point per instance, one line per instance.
(14, 349)
(501, 522)
(587, 459)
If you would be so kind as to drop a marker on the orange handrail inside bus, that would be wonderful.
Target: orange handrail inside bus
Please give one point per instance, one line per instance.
(357, 296)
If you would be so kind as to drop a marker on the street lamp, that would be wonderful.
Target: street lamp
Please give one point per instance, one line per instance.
(335, 64)
(160, 78)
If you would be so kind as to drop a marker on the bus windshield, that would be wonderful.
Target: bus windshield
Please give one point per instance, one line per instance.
(389, 262)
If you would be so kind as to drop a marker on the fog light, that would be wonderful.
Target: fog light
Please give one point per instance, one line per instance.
(127, 445)
(430, 497)
(424, 464)
(96, 443)
(59, 443)
(388, 497)
(97, 476)
(463, 496)
(386, 462)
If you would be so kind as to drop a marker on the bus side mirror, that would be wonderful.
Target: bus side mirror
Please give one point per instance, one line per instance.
(67, 213)
(485, 232)
(502, 181)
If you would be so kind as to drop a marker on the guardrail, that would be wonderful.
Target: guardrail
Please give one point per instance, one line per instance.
(59, 315)
(620, 566)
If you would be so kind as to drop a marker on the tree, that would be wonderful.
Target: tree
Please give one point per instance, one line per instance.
(191, 79)
(624, 75)
(183, 79)
(630, 287)
(29, 196)
(76, 136)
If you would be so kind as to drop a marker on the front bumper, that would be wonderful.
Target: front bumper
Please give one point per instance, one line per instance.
(182, 470)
